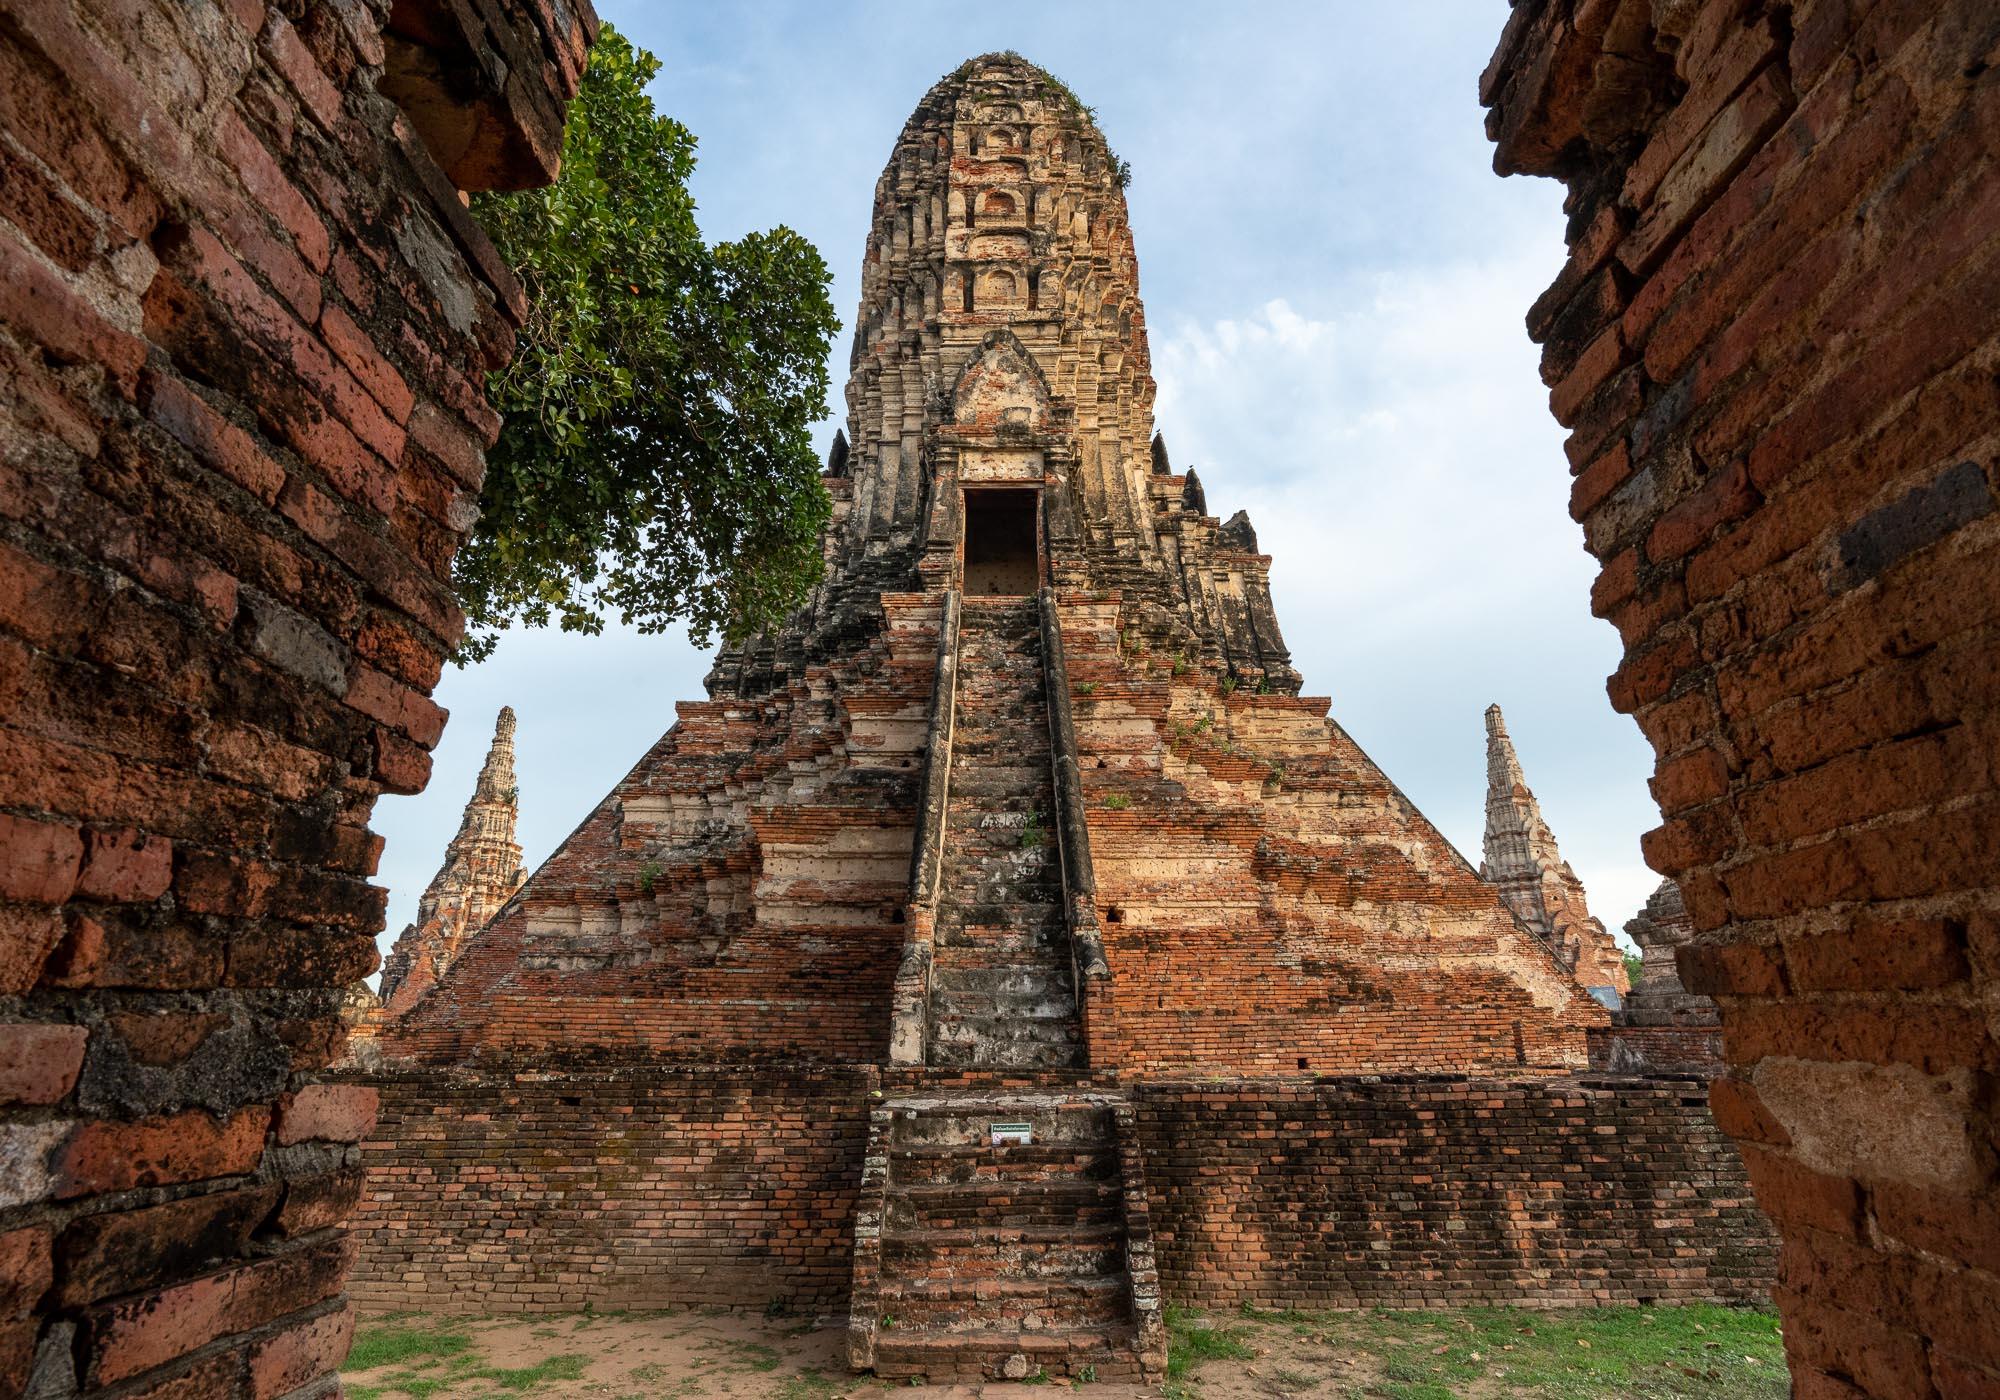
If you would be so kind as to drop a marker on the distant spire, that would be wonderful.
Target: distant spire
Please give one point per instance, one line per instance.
(481, 871)
(836, 455)
(1162, 466)
(1521, 861)
(1192, 496)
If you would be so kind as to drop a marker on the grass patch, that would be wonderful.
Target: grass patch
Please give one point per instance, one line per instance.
(755, 1355)
(1193, 1341)
(432, 1360)
(1693, 1353)
(398, 1344)
(525, 1379)
(809, 1384)
(1117, 801)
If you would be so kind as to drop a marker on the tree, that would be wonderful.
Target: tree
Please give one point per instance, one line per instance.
(656, 457)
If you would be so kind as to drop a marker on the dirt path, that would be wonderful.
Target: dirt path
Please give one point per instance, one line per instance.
(716, 1354)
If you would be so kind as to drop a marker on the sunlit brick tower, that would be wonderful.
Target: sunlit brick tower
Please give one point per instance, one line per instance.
(481, 870)
(1521, 860)
(1022, 805)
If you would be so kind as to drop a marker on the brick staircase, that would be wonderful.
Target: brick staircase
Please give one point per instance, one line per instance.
(979, 1262)
(1002, 990)
(975, 1260)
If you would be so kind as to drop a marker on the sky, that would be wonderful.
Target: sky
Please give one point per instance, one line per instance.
(1334, 281)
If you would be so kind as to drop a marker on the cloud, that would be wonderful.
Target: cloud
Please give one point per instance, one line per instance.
(1392, 443)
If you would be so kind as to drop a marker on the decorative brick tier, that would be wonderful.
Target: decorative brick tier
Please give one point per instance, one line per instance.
(1406, 1191)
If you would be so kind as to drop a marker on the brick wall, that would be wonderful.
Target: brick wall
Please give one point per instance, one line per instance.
(1775, 345)
(1668, 1049)
(244, 327)
(541, 1192)
(1409, 1191)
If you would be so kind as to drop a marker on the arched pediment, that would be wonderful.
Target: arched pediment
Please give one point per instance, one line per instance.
(1001, 384)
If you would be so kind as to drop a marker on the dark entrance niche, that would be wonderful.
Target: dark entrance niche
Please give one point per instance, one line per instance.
(1000, 551)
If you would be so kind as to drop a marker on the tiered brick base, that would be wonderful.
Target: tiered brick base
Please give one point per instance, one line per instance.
(543, 1192)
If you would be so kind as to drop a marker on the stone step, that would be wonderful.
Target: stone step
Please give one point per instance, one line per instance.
(978, 888)
(1014, 1165)
(1029, 978)
(1031, 956)
(1025, 1252)
(1001, 779)
(1052, 1003)
(946, 1205)
(965, 1121)
(975, 1354)
(1033, 1305)
(1016, 1054)
(1001, 811)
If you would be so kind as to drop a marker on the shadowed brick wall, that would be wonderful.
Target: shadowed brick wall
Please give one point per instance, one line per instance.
(1406, 1191)
(541, 1192)
(244, 325)
(1775, 347)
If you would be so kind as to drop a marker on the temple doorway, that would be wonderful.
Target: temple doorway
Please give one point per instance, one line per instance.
(1002, 554)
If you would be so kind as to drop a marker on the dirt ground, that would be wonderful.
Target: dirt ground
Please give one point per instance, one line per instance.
(706, 1354)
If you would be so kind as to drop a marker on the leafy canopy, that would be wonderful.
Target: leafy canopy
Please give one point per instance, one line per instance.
(656, 458)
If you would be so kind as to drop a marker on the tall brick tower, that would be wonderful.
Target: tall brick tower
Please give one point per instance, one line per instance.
(1521, 860)
(481, 870)
(1022, 804)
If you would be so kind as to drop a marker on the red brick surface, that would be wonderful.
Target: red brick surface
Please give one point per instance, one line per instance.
(1408, 1191)
(224, 594)
(544, 1191)
(1784, 218)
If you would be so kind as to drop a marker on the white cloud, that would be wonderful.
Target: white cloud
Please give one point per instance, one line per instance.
(1394, 449)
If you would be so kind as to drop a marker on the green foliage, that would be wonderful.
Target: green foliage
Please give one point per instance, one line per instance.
(656, 458)
(1633, 962)
(1031, 832)
(1085, 687)
(1117, 801)
(649, 876)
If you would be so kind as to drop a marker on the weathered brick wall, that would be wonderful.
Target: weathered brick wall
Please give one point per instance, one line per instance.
(1670, 1049)
(244, 324)
(543, 1192)
(1775, 346)
(1409, 1191)
(1270, 902)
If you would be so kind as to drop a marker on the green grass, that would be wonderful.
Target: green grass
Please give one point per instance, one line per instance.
(435, 1359)
(394, 1343)
(1193, 1341)
(523, 1380)
(809, 1384)
(1695, 1353)
(1117, 801)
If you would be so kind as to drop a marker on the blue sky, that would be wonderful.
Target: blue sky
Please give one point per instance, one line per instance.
(1335, 283)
